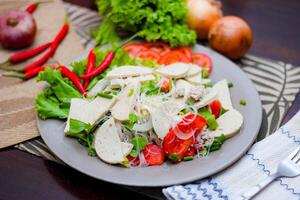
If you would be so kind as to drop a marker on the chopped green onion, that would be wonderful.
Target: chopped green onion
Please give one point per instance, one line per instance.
(243, 102)
(131, 92)
(230, 84)
(204, 75)
(208, 85)
(174, 157)
(104, 95)
(188, 158)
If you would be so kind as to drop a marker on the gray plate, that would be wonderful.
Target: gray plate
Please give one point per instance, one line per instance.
(75, 155)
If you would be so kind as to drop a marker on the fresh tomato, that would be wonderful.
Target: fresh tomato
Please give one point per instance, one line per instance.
(172, 57)
(216, 108)
(154, 155)
(190, 152)
(186, 125)
(133, 48)
(187, 51)
(174, 147)
(159, 47)
(148, 54)
(135, 161)
(165, 87)
(203, 61)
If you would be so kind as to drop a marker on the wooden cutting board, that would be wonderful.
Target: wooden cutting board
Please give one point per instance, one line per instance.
(17, 114)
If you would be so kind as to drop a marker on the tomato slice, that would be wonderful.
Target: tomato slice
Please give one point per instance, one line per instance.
(148, 54)
(165, 87)
(158, 46)
(172, 57)
(154, 155)
(187, 51)
(216, 108)
(133, 48)
(190, 152)
(192, 122)
(174, 147)
(203, 61)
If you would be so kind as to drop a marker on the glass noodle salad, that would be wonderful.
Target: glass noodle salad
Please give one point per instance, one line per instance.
(156, 105)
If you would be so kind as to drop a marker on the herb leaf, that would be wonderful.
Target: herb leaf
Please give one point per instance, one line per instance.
(77, 126)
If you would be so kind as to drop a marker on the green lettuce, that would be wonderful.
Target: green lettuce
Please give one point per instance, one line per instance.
(48, 106)
(54, 101)
(150, 19)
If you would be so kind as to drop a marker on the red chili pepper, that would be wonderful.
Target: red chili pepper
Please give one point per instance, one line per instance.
(32, 7)
(27, 75)
(90, 67)
(57, 40)
(75, 80)
(103, 66)
(25, 55)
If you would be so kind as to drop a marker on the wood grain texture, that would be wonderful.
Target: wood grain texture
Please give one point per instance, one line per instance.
(274, 38)
(17, 115)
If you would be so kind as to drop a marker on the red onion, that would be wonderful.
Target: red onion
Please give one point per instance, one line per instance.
(17, 29)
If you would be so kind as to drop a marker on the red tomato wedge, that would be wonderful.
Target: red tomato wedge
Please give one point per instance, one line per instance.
(165, 87)
(154, 155)
(159, 47)
(134, 48)
(192, 122)
(203, 61)
(215, 108)
(187, 51)
(148, 54)
(174, 147)
(190, 152)
(172, 57)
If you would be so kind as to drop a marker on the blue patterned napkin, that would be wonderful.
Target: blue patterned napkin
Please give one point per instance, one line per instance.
(258, 163)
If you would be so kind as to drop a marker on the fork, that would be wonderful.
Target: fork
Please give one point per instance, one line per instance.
(289, 167)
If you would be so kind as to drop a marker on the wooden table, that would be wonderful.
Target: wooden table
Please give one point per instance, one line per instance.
(24, 176)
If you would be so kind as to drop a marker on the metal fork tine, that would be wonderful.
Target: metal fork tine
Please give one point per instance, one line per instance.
(292, 155)
(297, 158)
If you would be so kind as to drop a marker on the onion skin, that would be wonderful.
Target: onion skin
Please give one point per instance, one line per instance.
(17, 29)
(231, 36)
(202, 14)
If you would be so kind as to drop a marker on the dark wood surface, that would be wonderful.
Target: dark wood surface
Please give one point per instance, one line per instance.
(24, 176)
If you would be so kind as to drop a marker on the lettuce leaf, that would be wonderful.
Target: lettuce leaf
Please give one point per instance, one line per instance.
(150, 19)
(48, 106)
(62, 88)
(54, 101)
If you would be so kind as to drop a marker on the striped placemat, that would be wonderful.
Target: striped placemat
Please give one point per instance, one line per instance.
(276, 82)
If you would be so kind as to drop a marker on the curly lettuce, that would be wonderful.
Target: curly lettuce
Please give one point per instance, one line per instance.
(150, 19)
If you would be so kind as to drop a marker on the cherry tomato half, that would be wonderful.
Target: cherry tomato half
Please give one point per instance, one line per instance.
(133, 48)
(148, 54)
(204, 61)
(154, 155)
(172, 57)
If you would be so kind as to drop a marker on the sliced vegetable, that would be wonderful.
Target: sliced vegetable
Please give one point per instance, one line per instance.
(148, 54)
(174, 147)
(203, 61)
(215, 107)
(173, 56)
(154, 155)
(134, 48)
